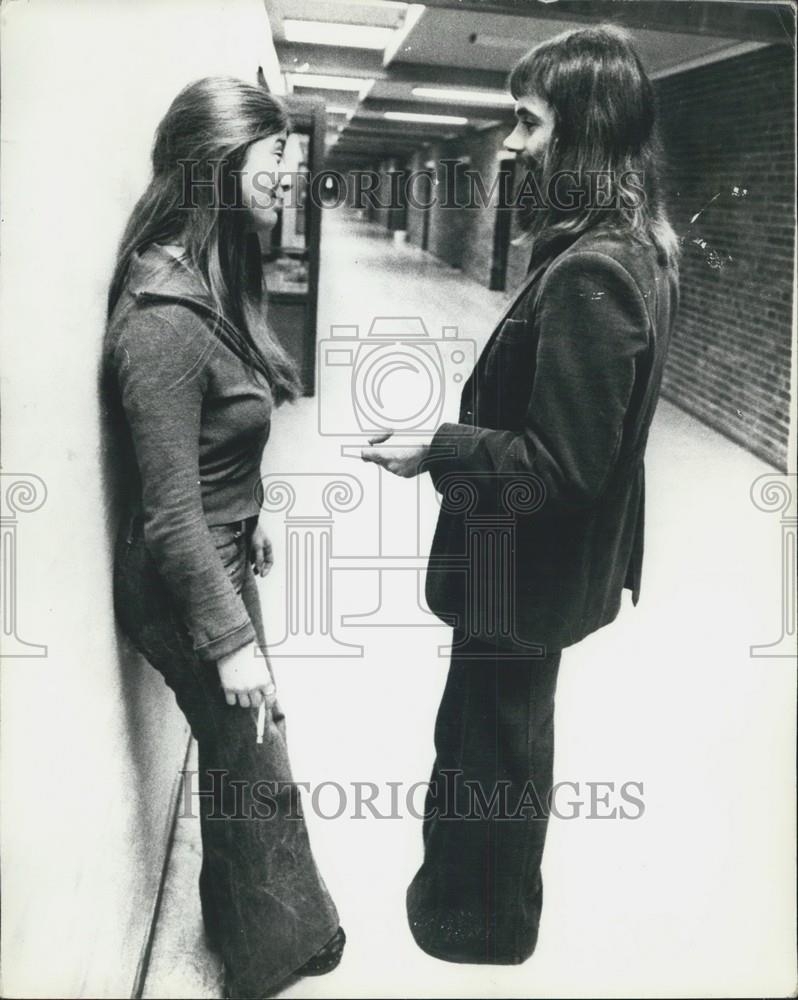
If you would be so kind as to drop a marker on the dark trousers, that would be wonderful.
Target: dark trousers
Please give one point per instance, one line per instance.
(264, 904)
(478, 894)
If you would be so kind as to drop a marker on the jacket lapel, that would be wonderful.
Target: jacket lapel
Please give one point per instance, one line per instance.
(532, 277)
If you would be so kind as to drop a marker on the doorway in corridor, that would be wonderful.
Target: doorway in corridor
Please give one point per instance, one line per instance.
(425, 199)
(502, 226)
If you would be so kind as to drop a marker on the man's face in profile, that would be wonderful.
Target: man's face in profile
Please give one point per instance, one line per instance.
(533, 131)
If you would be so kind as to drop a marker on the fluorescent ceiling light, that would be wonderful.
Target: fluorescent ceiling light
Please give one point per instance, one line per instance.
(321, 82)
(501, 42)
(463, 96)
(400, 36)
(350, 36)
(406, 116)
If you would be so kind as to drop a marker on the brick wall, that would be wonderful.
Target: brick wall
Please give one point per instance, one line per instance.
(725, 125)
(730, 125)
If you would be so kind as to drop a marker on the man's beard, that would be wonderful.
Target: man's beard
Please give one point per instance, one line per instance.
(529, 198)
(532, 165)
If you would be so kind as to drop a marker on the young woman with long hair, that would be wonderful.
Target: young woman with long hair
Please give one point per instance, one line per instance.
(542, 480)
(192, 374)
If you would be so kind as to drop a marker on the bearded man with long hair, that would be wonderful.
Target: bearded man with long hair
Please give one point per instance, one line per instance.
(541, 482)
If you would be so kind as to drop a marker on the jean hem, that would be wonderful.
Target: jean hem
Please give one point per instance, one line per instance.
(464, 958)
(281, 978)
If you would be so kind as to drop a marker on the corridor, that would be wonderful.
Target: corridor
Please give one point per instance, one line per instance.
(668, 697)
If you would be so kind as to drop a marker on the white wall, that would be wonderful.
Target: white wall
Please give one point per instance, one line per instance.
(92, 741)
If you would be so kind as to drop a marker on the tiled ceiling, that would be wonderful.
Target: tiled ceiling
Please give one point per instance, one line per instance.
(469, 45)
(382, 15)
(499, 41)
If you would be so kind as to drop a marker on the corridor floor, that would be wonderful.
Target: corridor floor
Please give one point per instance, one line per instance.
(688, 898)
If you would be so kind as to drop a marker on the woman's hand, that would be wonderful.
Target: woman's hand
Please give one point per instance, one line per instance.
(260, 552)
(405, 462)
(246, 679)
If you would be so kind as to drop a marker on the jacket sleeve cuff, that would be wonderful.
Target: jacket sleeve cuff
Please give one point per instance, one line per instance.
(448, 450)
(214, 649)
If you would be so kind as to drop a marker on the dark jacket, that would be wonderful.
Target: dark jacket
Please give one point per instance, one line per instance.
(191, 421)
(542, 478)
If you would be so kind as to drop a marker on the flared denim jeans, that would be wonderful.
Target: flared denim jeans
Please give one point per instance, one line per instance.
(478, 894)
(264, 904)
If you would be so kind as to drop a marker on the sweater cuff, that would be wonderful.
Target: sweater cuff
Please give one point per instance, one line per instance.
(240, 636)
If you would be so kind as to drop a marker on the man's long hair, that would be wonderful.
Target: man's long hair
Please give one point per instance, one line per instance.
(605, 121)
(194, 200)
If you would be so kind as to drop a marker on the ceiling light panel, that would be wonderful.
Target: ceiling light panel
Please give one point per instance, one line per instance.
(350, 36)
(459, 96)
(319, 81)
(407, 116)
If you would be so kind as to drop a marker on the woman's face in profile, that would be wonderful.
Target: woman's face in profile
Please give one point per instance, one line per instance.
(261, 188)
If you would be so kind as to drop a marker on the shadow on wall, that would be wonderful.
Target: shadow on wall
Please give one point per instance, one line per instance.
(155, 733)
(148, 704)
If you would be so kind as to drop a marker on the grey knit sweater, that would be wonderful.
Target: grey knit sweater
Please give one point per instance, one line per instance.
(193, 419)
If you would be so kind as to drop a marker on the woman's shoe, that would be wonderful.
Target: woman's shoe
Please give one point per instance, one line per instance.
(326, 958)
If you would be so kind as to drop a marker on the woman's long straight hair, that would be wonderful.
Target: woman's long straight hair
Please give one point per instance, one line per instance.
(605, 122)
(194, 200)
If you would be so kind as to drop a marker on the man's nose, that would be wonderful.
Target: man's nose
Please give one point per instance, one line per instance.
(513, 143)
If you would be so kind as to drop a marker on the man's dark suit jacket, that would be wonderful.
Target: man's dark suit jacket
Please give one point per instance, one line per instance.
(559, 404)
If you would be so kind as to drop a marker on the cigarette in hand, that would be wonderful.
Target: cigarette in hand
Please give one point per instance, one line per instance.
(261, 724)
